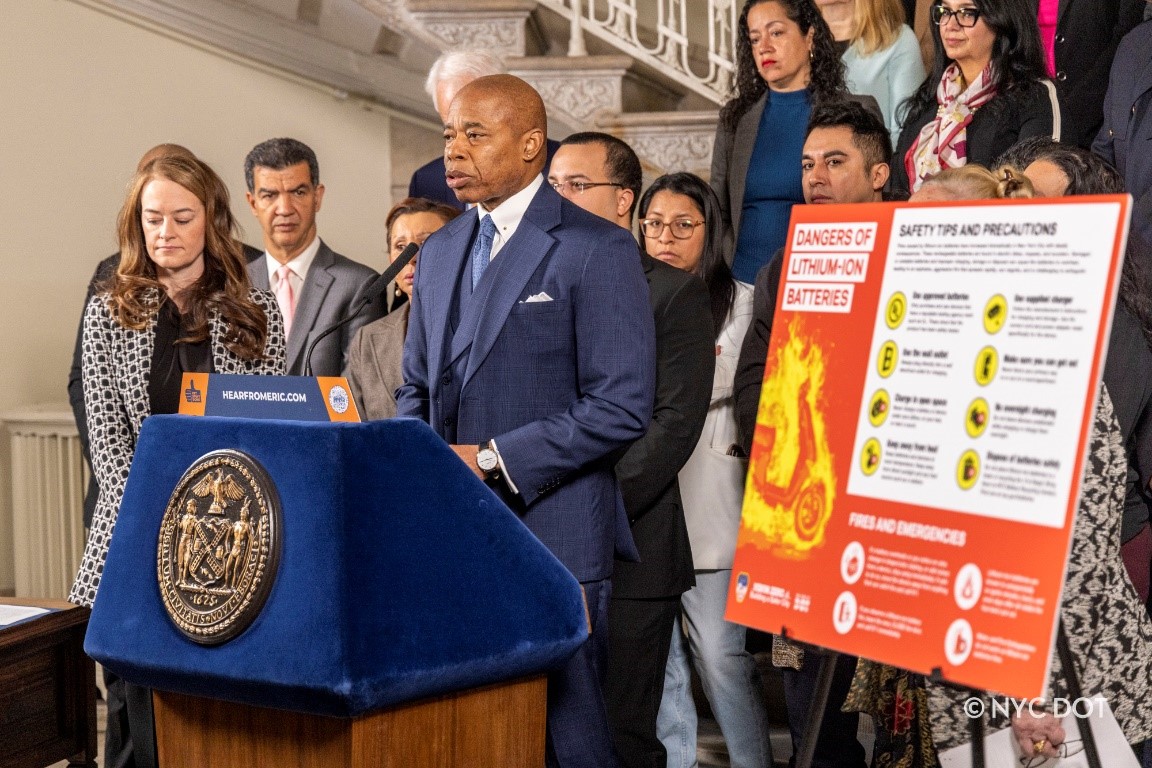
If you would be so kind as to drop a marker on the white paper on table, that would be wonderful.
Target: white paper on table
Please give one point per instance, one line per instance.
(10, 614)
(1000, 750)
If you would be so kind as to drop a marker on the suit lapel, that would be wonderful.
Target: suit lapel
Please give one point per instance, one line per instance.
(312, 296)
(437, 283)
(258, 273)
(1144, 79)
(387, 346)
(505, 279)
(743, 143)
(1063, 9)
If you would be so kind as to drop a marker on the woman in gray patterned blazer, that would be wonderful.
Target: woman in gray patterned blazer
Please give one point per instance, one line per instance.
(179, 302)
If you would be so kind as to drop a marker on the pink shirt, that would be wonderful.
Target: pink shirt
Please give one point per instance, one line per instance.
(1047, 15)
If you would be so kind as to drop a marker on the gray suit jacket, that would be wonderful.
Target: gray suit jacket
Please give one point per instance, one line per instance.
(333, 286)
(374, 364)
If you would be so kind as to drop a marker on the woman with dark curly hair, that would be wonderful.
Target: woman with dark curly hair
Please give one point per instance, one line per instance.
(179, 302)
(987, 90)
(786, 63)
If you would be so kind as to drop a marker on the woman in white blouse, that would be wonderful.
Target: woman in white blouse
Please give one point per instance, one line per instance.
(681, 225)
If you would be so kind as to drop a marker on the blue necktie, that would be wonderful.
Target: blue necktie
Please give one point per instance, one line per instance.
(482, 248)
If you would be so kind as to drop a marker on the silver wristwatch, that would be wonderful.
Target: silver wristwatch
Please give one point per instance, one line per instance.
(488, 461)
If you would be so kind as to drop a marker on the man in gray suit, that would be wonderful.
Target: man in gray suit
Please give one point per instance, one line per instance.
(314, 286)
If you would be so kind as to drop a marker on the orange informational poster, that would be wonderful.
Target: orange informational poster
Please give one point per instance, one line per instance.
(930, 385)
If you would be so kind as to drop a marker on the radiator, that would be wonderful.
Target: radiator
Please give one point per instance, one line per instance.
(49, 477)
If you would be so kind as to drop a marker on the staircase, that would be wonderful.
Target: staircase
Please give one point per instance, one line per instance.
(652, 72)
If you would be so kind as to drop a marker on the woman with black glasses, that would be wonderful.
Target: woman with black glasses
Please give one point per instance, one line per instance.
(681, 224)
(987, 90)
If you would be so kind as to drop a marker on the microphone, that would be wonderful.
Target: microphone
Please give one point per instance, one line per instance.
(374, 292)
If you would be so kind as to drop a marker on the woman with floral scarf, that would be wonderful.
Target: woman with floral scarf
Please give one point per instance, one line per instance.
(987, 90)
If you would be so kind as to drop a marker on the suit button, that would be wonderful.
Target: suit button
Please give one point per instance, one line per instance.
(446, 379)
(1061, 76)
(449, 421)
(1059, 39)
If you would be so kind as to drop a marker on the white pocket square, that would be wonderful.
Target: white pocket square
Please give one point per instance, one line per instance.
(542, 296)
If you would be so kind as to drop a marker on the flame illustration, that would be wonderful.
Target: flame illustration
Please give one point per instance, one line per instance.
(791, 481)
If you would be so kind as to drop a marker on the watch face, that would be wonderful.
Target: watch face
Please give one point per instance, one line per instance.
(486, 460)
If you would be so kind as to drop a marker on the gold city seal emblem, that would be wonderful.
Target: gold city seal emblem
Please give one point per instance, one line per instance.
(219, 546)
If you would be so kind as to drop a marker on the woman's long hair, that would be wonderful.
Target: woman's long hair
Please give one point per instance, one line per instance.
(712, 268)
(222, 288)
(876, 24)
(826, 82)
(1017, 55)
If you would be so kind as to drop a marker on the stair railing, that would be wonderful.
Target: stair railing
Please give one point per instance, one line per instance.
(689, 41)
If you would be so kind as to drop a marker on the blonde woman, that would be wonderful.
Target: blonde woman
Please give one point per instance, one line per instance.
(881, 54)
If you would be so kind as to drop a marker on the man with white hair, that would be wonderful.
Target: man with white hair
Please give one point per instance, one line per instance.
(449, 73)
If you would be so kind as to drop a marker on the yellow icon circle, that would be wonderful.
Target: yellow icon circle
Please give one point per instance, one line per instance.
(887, 359)
(878, 408)
(870, 456)
(968, 469)
(896, 309)
(987, 363)
(976, 417)
(995, 313)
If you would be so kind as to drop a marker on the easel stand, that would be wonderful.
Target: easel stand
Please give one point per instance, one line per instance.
(819, 701)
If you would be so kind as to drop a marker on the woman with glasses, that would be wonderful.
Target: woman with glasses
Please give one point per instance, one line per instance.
(786, 63)
(681, 225)
(987, 90)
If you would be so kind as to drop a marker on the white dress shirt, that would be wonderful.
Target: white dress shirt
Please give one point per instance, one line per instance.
(299, 266)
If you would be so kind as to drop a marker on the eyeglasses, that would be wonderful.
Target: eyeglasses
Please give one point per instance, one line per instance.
(578, 187)
(682, 229)
(965, 17)
(1067, 749)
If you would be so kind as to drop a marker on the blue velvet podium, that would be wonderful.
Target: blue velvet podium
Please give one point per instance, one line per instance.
(406, 598)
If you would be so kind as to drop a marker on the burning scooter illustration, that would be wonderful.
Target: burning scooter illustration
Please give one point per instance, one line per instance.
(805, 496)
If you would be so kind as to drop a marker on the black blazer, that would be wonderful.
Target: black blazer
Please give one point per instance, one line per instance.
(1087, 34)
(1027, 110)
(685, 359)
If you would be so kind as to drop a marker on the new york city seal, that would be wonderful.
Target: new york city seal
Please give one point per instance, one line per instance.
(219, 546)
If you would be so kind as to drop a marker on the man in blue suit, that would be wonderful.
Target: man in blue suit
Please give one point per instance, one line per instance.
(531, 351)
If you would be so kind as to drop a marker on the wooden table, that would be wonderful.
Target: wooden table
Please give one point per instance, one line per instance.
(47, 689)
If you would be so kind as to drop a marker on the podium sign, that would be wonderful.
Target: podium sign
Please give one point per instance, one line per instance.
(929, 394)
(302, 398)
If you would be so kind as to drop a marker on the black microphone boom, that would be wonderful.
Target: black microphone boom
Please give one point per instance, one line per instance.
(374, 292)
